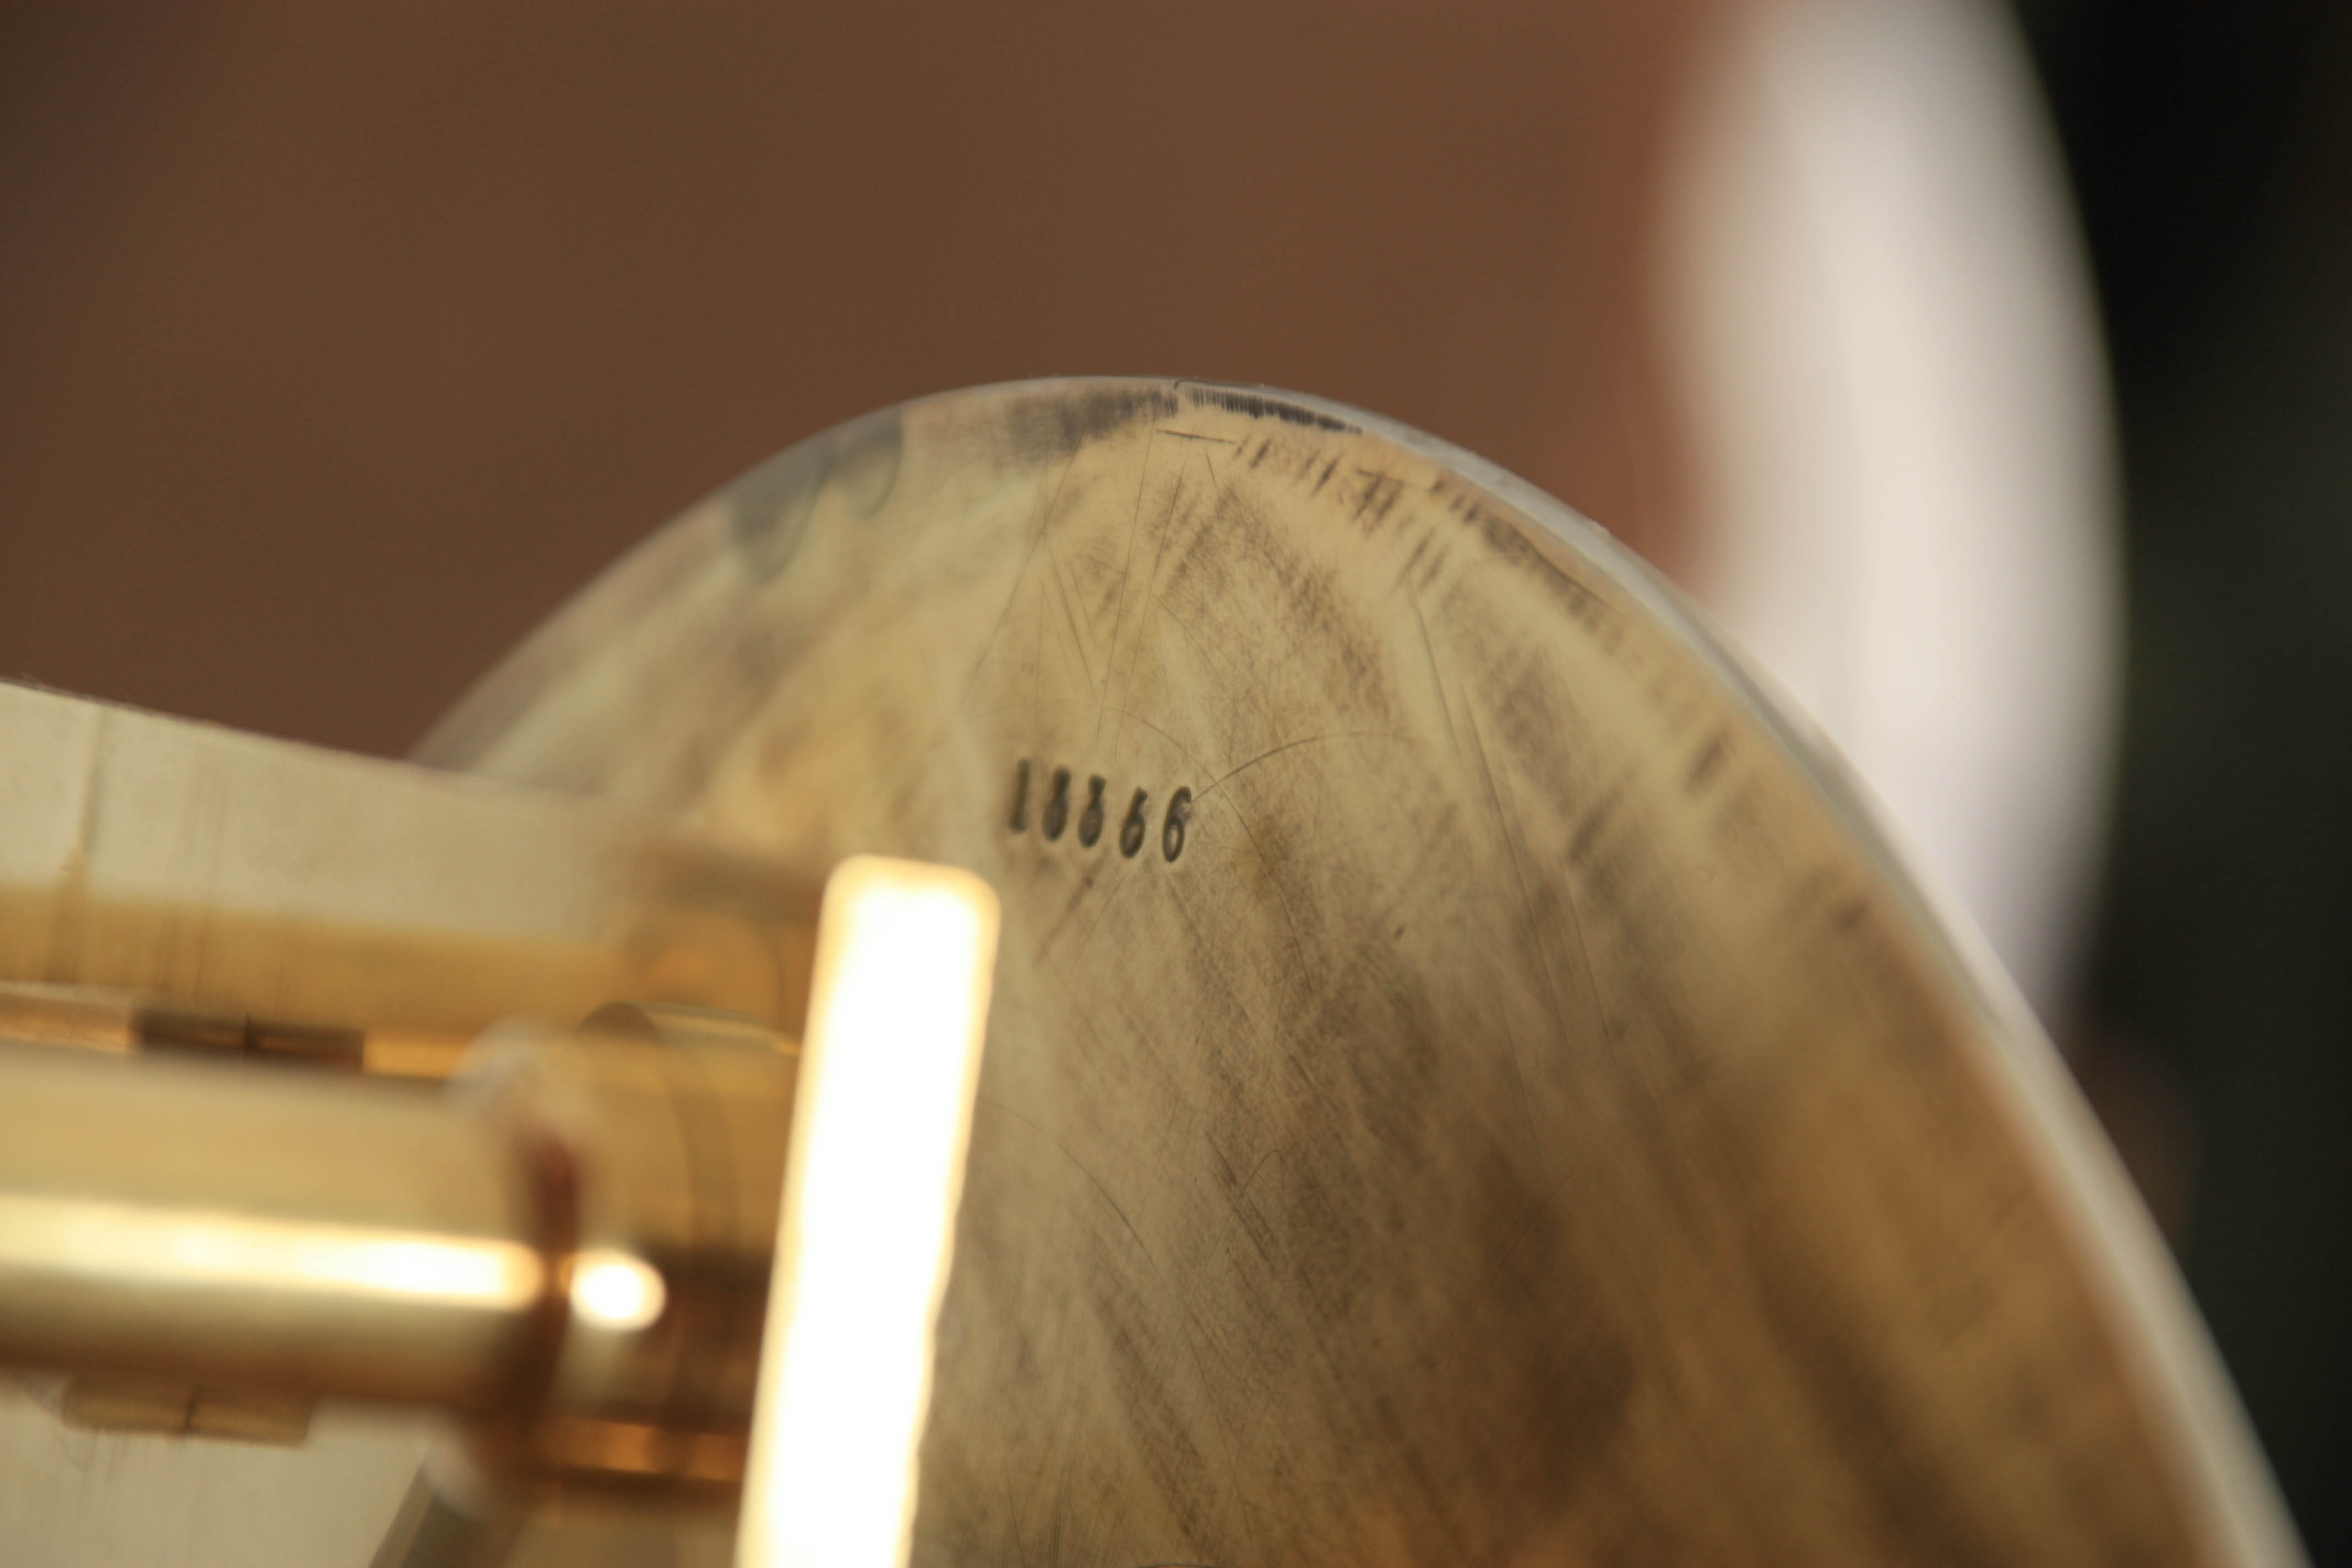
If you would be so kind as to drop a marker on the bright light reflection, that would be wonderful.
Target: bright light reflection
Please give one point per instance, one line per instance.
(614, 1291)
(160, 1247)
(891, 1058)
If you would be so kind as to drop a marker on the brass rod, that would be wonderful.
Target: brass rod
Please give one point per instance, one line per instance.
(261, 1228)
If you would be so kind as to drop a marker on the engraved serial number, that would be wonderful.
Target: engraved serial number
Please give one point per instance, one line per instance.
(1053, 819)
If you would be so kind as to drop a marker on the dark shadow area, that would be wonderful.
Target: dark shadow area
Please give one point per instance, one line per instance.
(2210, 148)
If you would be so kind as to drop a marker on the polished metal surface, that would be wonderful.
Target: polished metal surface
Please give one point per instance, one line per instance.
(662, 1143)
(303, 1233)
(566, 1250)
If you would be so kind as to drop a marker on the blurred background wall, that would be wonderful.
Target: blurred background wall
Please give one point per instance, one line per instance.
(2210, 148)
(340, 343)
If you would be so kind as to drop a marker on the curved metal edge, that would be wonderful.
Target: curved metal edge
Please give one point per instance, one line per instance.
(2149, 1306)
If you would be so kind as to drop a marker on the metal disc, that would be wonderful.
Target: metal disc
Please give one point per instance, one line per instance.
(1467, 1082)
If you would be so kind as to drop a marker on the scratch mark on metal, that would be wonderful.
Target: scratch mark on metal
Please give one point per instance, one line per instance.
(1012, 595)
(1148, 618)
(1527, 904)
(1437, 679)
(1077, 638)
(1092, 1179)
(1293, 745)
(1160, 1277)
(1126, 571)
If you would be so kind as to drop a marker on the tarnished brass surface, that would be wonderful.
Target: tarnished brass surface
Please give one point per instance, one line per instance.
(175, 1407)
(121, 1022)
(252, 897)
(1465, 1081)
(1466, 1084)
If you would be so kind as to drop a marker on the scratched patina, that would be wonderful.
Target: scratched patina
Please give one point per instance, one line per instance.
(1466, 1086)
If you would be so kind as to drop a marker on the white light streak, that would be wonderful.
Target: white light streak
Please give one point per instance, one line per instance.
(898, 1012)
